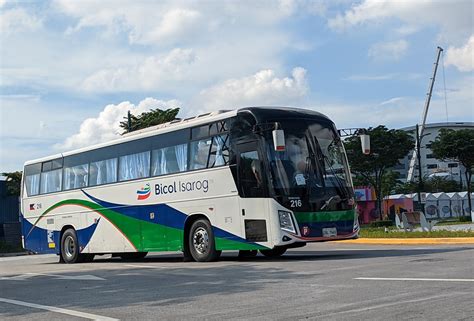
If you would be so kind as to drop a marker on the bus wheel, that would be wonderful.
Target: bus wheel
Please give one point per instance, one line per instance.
(201, 242)
(70, 247)
(132, 255)
(275, 252)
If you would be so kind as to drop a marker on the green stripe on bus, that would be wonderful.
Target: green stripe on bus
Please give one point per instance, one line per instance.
(226, 244)
(333, 216)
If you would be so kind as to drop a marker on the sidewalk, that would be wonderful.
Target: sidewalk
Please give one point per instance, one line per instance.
(412, 241)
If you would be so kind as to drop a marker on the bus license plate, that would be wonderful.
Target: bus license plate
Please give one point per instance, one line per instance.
(329, 232)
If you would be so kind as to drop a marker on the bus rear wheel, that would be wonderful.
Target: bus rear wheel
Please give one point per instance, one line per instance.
(70, 252)
(202, 246)
(275, 252)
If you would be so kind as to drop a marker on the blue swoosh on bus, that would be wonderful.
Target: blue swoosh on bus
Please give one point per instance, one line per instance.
(144, 192)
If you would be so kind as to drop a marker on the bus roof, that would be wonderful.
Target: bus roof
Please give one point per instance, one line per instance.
(258, 112)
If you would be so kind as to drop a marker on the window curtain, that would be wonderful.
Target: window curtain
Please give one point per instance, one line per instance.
(103, 172)
(51, 181)
(134, 166)
(76, 177)
(158, 166)
(32, 184)
(165, 160)
(181, 152)
(219, 145)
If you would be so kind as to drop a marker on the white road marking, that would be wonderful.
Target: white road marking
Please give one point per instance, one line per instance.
(144, 266)
(415, 279)
(22, 277)
(389, 304)
(85, 315)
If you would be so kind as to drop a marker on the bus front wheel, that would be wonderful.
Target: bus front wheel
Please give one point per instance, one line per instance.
(202, 246)
(275, 252)
(70, 252)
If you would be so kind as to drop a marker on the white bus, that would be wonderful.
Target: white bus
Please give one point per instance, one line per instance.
(253, 179)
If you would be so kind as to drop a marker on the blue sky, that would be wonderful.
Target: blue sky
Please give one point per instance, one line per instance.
(70, 70)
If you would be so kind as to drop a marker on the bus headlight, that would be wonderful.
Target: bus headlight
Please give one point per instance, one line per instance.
(286, 222)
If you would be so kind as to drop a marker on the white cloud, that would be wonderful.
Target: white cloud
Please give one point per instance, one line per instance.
(17, 20)
(155, 72)
(391, 101)
(262, 88)
(463, 57)
(454, 17)
(105, 126)
(171, 22)
(391, 50)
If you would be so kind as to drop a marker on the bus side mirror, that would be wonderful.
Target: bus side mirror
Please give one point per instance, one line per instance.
(365, 143)
(278, 140)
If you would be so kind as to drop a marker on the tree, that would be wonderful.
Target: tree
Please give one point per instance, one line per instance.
(387, 147)
(13, 182)
(457, 145)
(149, 118)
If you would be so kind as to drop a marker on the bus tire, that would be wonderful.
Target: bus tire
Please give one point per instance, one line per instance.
(132, 255)
(70, 252)
(275, 252)
(202, 245)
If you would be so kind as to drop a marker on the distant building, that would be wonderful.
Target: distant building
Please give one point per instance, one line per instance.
(431, 166)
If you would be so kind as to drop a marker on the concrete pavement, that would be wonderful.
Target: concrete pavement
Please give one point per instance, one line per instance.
(334, 281)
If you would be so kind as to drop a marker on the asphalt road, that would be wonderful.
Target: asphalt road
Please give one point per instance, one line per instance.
(325, 281)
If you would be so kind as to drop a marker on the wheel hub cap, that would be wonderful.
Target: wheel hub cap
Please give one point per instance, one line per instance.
(201, 240)
(69, 246)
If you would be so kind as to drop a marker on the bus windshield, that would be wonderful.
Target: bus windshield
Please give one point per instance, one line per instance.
(313, 165)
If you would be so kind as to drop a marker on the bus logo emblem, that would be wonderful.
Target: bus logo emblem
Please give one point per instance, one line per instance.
(144, 192)
(305, 230)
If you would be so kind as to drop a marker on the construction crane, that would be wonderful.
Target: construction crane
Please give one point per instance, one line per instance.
(421, 128)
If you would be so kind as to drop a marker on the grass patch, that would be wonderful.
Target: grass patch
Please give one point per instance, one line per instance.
(393, 233)
(8, 248)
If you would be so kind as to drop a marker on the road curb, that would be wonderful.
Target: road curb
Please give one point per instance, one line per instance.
(413, 241)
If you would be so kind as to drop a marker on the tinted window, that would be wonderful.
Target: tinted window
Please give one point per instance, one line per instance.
(51, 181)
(57, 163)
(47, 166)
(251, 175)
(103, 172)
(32, 178)
(199, 132)
(76, 177)
(169, 160)
(210, 152)
(134, 166)
(32, 184)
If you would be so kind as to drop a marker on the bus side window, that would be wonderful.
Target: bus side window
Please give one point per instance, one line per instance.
(250, 174)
